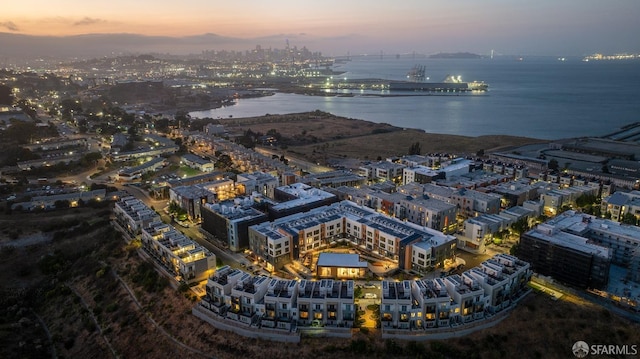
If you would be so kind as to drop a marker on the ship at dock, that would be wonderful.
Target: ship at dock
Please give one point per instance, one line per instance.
(451, 83)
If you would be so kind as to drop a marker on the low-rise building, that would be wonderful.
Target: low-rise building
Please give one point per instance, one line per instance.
(467, 296)
(325, 303)
(198, 163)
(340, 266)
(246, 296)
(396, 305)
(133, 215)
(186, 259)
(258, 182)
(434, 302)
(280, 310)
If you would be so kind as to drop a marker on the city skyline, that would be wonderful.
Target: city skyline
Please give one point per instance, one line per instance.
(335, 28)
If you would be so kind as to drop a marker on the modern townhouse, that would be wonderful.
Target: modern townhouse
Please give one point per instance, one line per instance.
(518, 273)
(432, 298)
(132, 215)
(245, 299)
(515, 193)
(397, 305)
(218, 289)
(467, 298)
(280, 309)
(496, 286)
(186, 259)
(325, 303)
(554, 200)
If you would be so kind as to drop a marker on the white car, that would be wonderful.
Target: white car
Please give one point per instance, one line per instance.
(370, 296)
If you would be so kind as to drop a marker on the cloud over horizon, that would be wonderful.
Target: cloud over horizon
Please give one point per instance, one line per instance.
(9, 25)
(89, 21)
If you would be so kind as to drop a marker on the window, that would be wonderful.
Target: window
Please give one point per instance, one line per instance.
(284, 306)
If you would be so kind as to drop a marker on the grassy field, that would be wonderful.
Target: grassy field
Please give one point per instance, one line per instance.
(324, 138)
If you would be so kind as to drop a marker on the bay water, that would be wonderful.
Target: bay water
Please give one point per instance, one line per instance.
(537, 97)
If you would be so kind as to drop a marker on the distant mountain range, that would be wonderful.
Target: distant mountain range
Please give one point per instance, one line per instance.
(92, 45)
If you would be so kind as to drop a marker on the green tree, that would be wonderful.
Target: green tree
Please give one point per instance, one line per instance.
(629, 218)
(520, 226)
(553, 164)
(415, 149)
(224, 162)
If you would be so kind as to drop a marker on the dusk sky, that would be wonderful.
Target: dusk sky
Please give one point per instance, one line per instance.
(546, 27)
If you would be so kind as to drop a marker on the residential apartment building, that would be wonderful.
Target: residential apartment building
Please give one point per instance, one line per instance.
(567, 257)
(298, 197)
(191, 198)
(73, 199)
(132, 173)
(420, 174)
(334, 179)
(382, 171)
(427, 212)
(288, 238)
(229, 221)
(622, 241)
(472, 203)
